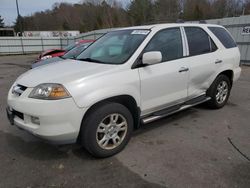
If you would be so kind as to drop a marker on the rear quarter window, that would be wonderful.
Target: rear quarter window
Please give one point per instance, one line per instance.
(224, 37)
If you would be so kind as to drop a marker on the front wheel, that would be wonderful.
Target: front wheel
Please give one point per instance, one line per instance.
(107, 129)
(219, 92)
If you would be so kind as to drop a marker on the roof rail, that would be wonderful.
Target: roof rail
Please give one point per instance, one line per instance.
(202, 21)
(180, 21)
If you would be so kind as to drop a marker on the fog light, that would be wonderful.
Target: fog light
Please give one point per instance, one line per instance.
(35, 120)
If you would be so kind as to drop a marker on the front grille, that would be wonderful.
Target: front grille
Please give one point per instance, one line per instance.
(18, 114)
(18, 89)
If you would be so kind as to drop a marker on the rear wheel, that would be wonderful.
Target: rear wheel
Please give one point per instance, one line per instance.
(219, 92)
(107, 129)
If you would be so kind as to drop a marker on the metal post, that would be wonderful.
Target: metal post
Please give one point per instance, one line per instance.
(17, 7)
(61, 42)
(42, 43)
(19, 18)
(21, 38)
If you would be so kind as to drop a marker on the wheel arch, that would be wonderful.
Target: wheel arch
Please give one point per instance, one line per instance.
(229, 73)
(127, 100)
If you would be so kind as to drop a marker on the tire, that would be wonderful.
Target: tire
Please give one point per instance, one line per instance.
(98, 127)
(219, 96)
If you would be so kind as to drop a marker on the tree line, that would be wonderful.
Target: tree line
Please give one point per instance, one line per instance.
(97, 14)
(1, 22)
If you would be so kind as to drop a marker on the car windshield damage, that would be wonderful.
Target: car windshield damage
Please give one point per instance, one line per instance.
(115, 47)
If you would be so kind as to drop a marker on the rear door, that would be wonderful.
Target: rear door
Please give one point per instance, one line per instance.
(202, 59)
(164, 84)
(229, 53)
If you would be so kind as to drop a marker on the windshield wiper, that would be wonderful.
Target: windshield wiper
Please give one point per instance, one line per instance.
(90, 60)
(74, 57)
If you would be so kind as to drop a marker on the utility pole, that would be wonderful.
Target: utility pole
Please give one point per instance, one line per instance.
(19, 18)
(17, 8)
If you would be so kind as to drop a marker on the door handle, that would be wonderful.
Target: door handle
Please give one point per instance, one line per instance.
(218, 61)
(183, 69)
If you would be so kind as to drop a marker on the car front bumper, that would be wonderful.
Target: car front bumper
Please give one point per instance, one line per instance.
(59, 120)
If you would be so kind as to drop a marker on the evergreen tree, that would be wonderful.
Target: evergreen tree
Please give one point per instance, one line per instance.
(18, 25)
(141, 12)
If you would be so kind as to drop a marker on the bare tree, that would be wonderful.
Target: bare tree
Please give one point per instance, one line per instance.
(96, 14)
(1, 22)
(247, 7)
(167, 10)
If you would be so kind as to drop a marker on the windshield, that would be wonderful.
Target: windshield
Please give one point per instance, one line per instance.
(115, 47)
(69, 47)
(73, 53)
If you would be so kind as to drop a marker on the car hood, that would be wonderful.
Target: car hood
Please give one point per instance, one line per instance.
(46, 61)
(51, 51)
(62, 72)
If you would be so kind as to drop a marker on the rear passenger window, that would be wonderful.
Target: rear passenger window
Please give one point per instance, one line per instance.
(223, 36)
(168, 42)
(199, 41)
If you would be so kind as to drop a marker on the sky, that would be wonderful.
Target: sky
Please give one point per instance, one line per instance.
(27, 7)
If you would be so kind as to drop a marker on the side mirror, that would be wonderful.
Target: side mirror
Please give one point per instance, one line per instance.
(150, 58)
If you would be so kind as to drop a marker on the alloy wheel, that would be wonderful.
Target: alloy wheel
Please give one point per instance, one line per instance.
(111, 131)
(222, 92)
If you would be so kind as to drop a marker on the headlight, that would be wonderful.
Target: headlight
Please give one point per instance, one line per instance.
(49, 92)
(46, 57)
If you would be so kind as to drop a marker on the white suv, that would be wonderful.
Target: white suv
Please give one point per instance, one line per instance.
(127, 77)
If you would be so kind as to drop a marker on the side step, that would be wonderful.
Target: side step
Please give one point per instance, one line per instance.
(171, 110)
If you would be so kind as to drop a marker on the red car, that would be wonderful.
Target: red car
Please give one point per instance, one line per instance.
(60, 52)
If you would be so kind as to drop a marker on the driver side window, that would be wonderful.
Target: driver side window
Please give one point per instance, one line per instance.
(168, 42)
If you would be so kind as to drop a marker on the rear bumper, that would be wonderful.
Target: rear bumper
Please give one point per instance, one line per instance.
(59, 120)
(237, 73)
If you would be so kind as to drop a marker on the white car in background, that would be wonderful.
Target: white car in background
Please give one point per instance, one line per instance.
(128, 76)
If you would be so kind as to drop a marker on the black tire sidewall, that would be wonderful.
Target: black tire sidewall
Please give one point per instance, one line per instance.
(90, 125)
(213, 90)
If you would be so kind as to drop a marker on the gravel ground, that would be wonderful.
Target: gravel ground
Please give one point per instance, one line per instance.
(198, 147)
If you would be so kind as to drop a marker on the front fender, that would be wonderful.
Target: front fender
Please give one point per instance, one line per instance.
(90, 91)
(105, 93)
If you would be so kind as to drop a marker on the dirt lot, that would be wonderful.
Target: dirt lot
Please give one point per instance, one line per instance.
(188, 149)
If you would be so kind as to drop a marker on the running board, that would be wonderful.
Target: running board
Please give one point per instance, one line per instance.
(169, 111)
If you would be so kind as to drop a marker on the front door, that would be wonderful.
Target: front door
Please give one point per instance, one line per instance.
(164, 84)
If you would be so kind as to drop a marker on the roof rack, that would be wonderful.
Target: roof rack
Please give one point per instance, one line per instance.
(202, 21)
(180, 21)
